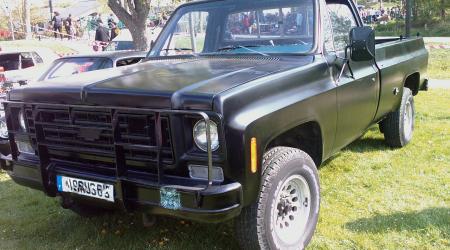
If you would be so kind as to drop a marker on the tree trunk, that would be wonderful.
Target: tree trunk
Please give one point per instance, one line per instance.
(443, 10)
(27, 17)
(415, 11)
(408, 18)
(133, 13)
(138, 33)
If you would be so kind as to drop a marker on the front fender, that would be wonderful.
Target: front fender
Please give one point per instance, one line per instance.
(270, 106)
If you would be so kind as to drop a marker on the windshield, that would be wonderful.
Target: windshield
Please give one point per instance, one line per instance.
(73, 66)
(249, 27)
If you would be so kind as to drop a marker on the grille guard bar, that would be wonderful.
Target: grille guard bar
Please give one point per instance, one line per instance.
(158, 133)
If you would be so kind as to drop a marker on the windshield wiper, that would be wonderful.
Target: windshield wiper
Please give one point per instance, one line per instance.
(177, 49)
(243, 47)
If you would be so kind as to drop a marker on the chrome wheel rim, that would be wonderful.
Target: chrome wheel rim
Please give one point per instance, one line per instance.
(291, 210)
(408, 122)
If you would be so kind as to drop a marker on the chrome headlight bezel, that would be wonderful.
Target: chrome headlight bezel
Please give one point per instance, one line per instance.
(21, 119)
(3, 127)
(199, 135)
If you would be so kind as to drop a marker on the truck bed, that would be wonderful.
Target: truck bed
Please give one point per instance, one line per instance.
(397, 59)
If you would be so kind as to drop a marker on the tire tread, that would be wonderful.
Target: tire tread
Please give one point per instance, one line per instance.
(249, 226)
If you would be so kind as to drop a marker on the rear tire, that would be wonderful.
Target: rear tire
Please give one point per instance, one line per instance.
(398, 126)
(286, 212)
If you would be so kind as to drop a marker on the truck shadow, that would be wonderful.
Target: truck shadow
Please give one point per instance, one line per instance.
(362, 145)
(374, 142)
(368, 144)
(438, 217)
(30, 215)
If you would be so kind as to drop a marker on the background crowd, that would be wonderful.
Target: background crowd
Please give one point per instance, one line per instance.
(371, 15)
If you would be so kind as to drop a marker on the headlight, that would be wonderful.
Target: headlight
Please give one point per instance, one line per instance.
(3, 127)
(22, 122)
(200, 139)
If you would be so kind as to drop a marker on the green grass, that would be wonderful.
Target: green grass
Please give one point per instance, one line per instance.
(373, 197)
(396, 28)
(55, 45)
(439, 63)
(378, 198)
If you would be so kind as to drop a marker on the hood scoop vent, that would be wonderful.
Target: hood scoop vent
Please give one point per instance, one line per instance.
(245, 58)
(216, 57)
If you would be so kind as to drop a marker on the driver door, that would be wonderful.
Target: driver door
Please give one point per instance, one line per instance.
(357, 89)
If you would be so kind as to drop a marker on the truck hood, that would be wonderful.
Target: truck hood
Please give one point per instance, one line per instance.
(186, 83)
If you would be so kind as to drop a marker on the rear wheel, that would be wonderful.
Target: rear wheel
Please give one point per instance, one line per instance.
(398, 126)
(286, 213)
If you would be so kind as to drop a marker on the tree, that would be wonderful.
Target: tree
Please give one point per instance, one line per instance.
(27, 18)
(443, 6)
(133, 13)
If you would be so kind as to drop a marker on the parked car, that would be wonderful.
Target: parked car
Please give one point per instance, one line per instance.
(77, 64)
(124, 41)
(68, 66)
(15, 68)
(227, 118)
(20, 66)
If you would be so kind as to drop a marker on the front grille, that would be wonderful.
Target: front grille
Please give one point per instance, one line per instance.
(101, 139)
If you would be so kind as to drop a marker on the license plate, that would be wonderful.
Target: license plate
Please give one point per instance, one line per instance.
(84, 187)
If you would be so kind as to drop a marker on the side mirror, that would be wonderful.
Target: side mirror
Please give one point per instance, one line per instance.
(362, 44)
(152, 43)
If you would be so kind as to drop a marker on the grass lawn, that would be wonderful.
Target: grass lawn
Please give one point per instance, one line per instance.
(54, 45)
(439, 63)
(373, 197)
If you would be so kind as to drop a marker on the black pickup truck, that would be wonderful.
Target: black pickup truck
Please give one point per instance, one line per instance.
(237, 104)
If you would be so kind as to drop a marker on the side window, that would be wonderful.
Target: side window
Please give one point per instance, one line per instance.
(37, 58)
(343, 21)
(27, 60)
(188, 36)
(128, 61)
(327, 28)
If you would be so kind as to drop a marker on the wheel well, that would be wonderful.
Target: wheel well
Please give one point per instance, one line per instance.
(412, 82)
(306, 137)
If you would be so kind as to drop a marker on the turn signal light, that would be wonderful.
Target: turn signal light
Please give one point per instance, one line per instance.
(253, 156)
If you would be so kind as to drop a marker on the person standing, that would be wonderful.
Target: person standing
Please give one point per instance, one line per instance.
(68, 26)
(114, 30)
(246, 23)
(111, 20)
(57, 25)
(101, 34)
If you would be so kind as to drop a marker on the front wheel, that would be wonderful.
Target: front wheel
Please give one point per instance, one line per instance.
(286, 212)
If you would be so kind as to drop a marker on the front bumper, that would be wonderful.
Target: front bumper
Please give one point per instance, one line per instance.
(216, 203)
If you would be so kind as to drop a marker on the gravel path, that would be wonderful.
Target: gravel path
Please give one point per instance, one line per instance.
(439, 84)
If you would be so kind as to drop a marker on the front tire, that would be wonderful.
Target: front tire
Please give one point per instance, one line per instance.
(286, 212)
(398, 126)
